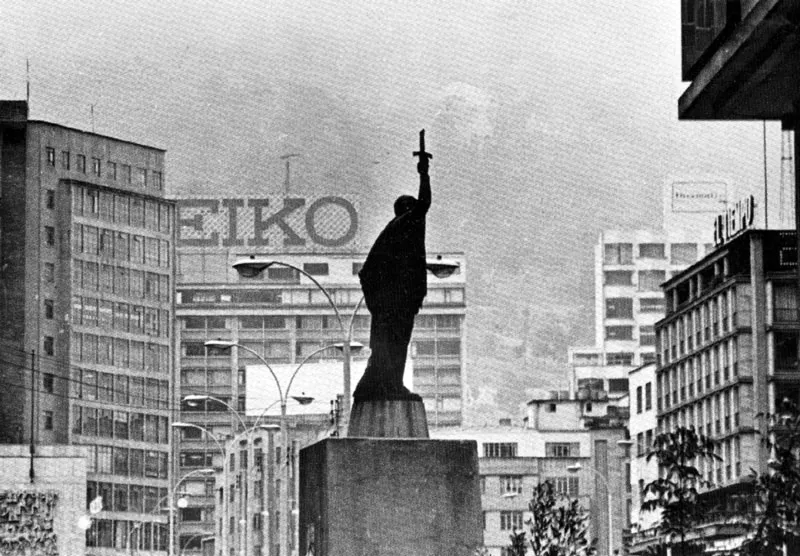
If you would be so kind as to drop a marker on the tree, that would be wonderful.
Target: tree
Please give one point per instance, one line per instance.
(777, 492)
(558, 526)
(675, 492)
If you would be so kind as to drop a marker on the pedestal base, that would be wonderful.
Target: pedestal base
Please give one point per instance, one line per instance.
(388, 419)
(380, 497)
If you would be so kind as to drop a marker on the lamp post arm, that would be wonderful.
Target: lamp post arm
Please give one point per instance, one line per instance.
(300, 366)
(211, 435)
(264, 361)
(230, 408)
(263, 414)
(353, 320)
(324, 291)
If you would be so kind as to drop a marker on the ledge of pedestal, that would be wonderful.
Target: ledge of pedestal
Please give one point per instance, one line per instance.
(388, 419)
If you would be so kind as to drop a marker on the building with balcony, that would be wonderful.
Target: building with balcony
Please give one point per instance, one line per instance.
(727, 353)
(87, 274)
(284, 317)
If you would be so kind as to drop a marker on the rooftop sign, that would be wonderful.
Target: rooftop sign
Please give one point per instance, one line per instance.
(736, 219)
(294, 223)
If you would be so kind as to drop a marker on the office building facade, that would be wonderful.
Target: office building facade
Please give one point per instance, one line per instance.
(727, 352)
(88, 275)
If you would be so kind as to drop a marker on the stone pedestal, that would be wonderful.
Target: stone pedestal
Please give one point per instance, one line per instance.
(388, 419)
(390, 497)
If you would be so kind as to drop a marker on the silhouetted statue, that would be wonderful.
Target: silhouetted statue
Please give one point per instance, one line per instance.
(394, 282)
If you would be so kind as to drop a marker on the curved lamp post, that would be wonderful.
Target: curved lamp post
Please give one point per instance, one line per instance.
(575, 468)
(283, 398)
(181, 503)
(252, 266)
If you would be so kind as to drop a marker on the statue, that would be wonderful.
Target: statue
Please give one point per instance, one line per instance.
(394, 282)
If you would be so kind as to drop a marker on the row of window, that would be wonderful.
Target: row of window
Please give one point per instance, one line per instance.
(127, 462)
(680, 253)
(433, 376)
(702, 372)
(513, 484)
(120, 208)
(114, 533)
(120, 352)
(647, 280)
(121, 246)
(122, 425)
(115, 171)
(713, 416)
(644, 442)
(136, 319)
(120, 281)
(646, 337)
(120, 389)
(704, 324)
(342, 297)
(622, 307)
(729, 465)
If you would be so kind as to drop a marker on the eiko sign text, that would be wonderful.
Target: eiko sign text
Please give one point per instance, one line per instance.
(275, 222)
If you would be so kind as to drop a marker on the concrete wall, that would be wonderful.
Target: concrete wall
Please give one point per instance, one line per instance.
(60, 470)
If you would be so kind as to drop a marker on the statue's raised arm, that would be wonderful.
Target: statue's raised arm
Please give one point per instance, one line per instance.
(394, 282)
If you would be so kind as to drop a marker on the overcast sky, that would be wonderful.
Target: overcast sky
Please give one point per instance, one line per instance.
(549, 121)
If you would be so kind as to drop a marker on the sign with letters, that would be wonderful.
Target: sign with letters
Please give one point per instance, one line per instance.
(698, 196)
(279, 223)
(736, 219)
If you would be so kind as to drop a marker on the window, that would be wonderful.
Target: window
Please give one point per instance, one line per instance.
(96, 167)
(568, 486)
(112, 171)
(648, 396)
(48, 381)
(510, 484)
(48, 345)
(619, 332)
(48, 420)
(639, 399)
(652, 305)
(50, 199)
(49, 272)
(126, 173)
(49, 236)
(619, 308)
(51, 156)
(510, 520)
(65, 160)
(357, 268)
(651, 280)
(617, 385)
(48, 309)
(316, 269)
(80, 162)
(158, 182)
(647, 335)
(282, 273)
(618, 253)
(618, 278)
(683, 253)
(619, 358)
(561, 449)
(141, 177)
(499, 449)
(651, 251)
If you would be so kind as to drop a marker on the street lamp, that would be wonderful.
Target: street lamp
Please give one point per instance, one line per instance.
(283, 398)
(575, 468)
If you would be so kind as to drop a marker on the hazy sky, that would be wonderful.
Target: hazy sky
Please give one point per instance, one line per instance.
(548, 120)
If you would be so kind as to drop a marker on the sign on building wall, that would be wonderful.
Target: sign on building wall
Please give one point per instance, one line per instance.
(277, 223)
(698, 196)
(737, 218)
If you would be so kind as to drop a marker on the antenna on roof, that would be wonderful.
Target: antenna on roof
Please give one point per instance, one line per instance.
(91, 110)
(27, 80)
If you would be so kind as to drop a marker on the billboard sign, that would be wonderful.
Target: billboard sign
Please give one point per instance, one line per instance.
(279, 223)
(698, 196)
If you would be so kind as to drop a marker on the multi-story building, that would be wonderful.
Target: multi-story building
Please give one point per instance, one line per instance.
(284, 317)
(630, 266)
(87, 275)
(728, 353)
(642, 429)
(573, 443)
